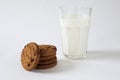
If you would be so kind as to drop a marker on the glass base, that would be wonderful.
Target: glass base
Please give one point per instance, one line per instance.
(76, 57)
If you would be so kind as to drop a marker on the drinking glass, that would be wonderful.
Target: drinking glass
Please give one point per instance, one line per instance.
(75, 22)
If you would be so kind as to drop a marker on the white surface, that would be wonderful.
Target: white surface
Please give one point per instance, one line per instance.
(22, 21)
(100, 65)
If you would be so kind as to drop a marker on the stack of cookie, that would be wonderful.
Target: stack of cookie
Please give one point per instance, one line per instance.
(38, 56)
(47, 56)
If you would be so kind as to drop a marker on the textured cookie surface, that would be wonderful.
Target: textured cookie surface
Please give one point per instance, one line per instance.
(49, 61)
(30, 56)
(46, 66)
(47, 50)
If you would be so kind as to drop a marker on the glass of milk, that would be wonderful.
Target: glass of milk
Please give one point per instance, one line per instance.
(75, 22)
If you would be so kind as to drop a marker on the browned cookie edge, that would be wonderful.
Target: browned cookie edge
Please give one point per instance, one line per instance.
(46, 66)
(47, 57)
(47, 61)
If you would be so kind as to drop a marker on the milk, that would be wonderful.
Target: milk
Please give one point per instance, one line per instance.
(74, 35)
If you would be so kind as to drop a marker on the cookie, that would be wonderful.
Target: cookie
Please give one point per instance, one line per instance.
(30, 56)
(46, 66)
(47, 50)
(47, 57)
(47, 61)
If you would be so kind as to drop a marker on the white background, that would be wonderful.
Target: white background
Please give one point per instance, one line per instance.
(23, 21)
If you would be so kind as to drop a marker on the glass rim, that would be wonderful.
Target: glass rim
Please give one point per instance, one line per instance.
(73, 7)
(63, 8)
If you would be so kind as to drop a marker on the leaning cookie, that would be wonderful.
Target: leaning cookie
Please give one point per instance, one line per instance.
(30, 56)
(47, 50)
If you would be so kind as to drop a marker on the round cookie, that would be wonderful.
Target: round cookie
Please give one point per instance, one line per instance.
(46, 66)
(47, 57)
(30, 56)
(47, 61)
(47, 50)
